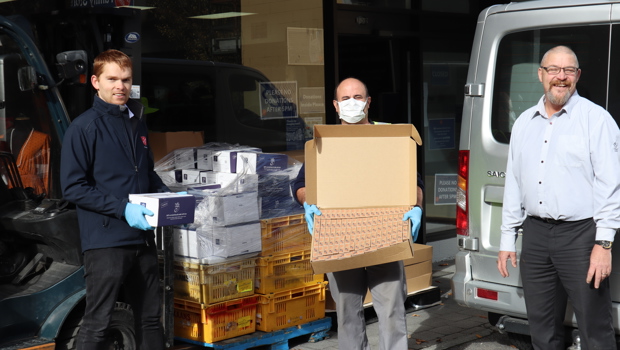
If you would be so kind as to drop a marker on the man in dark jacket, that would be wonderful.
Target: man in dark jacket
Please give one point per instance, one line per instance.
(105, 157)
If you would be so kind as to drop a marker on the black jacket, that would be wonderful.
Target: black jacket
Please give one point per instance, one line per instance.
(101, 164)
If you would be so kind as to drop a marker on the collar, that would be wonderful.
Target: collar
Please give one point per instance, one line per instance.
(566, 109)
(135, 108)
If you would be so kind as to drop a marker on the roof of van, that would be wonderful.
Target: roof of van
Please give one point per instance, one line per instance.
(533, 4)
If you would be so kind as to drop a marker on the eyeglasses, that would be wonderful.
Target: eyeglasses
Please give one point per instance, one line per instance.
(554, 70)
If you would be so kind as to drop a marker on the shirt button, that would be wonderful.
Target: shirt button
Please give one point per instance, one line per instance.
(539, 182)
(545, 141)
(539, 202)
(542, 161)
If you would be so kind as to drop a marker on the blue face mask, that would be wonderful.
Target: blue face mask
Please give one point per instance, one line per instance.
(352, 110)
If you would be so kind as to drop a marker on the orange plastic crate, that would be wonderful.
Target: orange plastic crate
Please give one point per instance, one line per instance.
(216, 322)
(290, 308)
(209, 284)
(278, 273)
(284, 235)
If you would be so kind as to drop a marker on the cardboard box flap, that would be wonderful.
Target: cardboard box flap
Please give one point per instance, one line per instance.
(368, 130)
(361, 166)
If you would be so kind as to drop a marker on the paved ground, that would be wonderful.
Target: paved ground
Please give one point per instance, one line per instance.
(444, 326)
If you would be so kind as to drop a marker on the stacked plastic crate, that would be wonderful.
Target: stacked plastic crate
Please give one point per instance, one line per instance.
(288, 292)
(214, 284)
(215, 257)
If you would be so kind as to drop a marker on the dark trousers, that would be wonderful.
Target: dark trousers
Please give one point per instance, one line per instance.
(135, 269)
(554, 264)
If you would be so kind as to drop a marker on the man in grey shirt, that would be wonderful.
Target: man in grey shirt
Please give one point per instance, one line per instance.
(563, 190)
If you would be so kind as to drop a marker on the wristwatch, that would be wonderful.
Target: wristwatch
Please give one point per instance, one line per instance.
(604, 244)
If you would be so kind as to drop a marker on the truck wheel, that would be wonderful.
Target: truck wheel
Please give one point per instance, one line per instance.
(521, 341)
(121, 334)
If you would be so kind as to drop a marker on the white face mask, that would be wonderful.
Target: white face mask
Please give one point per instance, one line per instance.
(352, 110)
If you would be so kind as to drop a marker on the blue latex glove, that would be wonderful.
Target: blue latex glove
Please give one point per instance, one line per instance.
(415, 215)
(134, 214)
(311, 210)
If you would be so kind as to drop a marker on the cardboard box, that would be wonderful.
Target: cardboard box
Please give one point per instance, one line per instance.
(168, 208)
(418, 272)
(361, 169)
(421, 252)
(163, 143)
(419, 276)
(261, 163)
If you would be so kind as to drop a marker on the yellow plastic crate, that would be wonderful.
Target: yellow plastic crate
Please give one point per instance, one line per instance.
(278, 273)
(216, 322)
(209, 284)
(290, 308)
(284, 235)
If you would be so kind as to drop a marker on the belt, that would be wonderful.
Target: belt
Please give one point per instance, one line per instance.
(548, 220)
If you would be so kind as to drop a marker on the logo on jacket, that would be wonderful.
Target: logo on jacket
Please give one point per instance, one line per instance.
(143, 139)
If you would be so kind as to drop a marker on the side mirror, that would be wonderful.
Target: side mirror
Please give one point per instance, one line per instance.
(27, 78)
(72, 66)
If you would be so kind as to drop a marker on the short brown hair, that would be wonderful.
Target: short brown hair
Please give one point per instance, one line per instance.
(111, 56)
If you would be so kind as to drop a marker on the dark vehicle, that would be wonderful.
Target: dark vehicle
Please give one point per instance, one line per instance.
(41, 276)
(228, 102)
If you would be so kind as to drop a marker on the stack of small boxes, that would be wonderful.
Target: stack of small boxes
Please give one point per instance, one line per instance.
(289, 294)
(215, 264)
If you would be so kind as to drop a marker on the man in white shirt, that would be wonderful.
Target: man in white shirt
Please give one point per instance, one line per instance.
(563, 190)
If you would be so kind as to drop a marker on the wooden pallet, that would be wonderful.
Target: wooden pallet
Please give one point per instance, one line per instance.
(276, 340)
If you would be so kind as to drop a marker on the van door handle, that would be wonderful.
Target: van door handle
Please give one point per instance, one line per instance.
(493, 194)
(476, 90)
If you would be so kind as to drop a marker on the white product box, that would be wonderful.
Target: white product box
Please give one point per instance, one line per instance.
(208, 177)
(225, 241)
(180, 240)
(237, 182)
(225, 161)
(184, 158)
(261, 163)
(204, 159)
(231, 209)
(190, 176)
(168, 208)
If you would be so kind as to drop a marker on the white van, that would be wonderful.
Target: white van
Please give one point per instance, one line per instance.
(502, 82)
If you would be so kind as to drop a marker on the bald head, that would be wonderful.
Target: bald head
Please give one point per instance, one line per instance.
(559, 50)
(346, 85)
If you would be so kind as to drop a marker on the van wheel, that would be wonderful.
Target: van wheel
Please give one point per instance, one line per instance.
(521, 341)
(121, 334)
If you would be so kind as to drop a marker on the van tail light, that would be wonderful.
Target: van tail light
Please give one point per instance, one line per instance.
(462, 219)
(486, 294)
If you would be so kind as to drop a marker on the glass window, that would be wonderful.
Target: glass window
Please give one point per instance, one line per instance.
(517, 87)
(189, 106)
(403, 4)
(614, 73)
(25, 127)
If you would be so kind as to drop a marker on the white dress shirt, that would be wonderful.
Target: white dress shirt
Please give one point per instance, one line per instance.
(565, 167)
